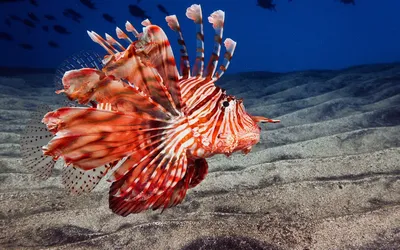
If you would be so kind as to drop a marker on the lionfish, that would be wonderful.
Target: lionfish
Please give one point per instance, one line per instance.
(148, 123)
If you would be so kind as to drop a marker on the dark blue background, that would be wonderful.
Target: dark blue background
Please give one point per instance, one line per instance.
(302, 34)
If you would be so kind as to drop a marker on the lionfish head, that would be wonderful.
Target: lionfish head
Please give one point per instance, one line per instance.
(240, 131)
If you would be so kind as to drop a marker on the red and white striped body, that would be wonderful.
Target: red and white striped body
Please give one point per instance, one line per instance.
(150, 124)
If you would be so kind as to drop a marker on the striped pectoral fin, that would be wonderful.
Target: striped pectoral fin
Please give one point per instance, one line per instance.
(148, 178)
(164, 186)
(34, 137)
(89, 138)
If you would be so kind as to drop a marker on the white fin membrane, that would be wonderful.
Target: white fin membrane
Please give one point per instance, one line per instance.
(32, 139)
(78, 181)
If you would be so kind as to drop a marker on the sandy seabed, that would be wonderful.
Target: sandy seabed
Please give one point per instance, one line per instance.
(327, 177)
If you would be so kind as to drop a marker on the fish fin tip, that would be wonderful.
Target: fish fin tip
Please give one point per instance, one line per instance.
(172, 22)
(194, 13)
(217, 19)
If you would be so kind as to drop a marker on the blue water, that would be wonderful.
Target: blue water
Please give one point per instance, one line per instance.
(300, 35)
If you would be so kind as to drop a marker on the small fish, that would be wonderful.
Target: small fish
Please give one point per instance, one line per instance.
(162, 9)
(33, 17)
(15, 18)
(45, 28)
(109, 18)
(6, 36)
(50, 17)
(348, 2)
(89, 4)
(34, 2)
(149, 124)
(29, 23)
(53, 44)
(70, 13)
(267, 4)
(136, 11)
(26, 46)
(60, 29)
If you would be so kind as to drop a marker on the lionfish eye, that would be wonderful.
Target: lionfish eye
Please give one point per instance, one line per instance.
(225, 104)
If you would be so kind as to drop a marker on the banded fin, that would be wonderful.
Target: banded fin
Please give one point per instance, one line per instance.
(122, 35)
(169, 197)
(32, 139)
(194, 13)
(150, 66)
(184, 60)
(86, 85)
(165, 197)
(217, 19)
(230, 46)
(78, 181)
(102, 42)
(89, 137)
(130, 28)
(155, 47)
(152, 171)
(112, 41)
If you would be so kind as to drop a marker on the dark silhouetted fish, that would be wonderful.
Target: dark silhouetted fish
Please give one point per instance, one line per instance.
(29, 23)
(34, 2)
(89, 4)
(5, 36)
(348, 2)
(60, 29)
(7, 22)
(50, 17)
(45, 28)
(26, 46)
(15, 18)
(136, 11)
(162, 9)
(109, 18)
(70, 13)
(33, 16)
(266, 4)
(11, 1)
(53, 44)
